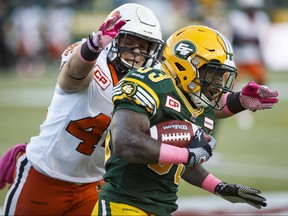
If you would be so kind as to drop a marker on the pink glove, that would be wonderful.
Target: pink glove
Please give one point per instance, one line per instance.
(8, 164)
(106, 33)
(257, 97)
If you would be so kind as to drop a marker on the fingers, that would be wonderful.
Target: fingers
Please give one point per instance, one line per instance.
(236, 193)
(251, 197)
(267, 103)
(265, 92)
(112, 26)
(119, 24)
(115, 23)
(110, 22)
(254, 90)
(269, 100)
(109, 30)
(256, 203)
(212, 142)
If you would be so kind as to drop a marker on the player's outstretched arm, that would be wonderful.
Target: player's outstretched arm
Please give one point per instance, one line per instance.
(234, 193)
(75, 73)
(252, 97)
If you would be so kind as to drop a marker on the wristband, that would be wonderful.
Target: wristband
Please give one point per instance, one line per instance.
(86, 55)
(210, 183)
(233, 103)
(172, 154)
(92, 43)
(225, 107)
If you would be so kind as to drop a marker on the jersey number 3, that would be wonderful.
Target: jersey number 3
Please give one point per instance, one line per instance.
(89, 131)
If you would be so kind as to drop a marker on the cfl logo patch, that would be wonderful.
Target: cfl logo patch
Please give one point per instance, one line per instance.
(184, 49)
(173, 104)
(99, 76)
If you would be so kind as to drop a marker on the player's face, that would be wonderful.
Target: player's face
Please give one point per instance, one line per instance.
(212, 83)
(134, 49)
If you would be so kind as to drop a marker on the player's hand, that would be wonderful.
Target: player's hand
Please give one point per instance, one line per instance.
(257, 97)
(106, 33)
(236, 193)
(199, 149)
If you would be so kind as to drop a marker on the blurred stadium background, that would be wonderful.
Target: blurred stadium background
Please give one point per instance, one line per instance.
(255, 156)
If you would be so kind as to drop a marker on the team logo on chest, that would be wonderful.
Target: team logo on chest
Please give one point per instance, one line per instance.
(173, 104)
(100, 77)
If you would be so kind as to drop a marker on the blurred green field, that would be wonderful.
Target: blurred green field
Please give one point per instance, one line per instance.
(256, 157)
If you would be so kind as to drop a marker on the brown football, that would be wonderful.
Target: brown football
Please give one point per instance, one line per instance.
(175, 132)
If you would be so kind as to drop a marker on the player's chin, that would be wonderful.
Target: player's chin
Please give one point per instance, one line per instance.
(208, 95)
(211, 95)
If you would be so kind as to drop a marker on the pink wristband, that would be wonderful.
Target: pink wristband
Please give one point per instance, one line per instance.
(225, 108)
(210, 183)
(172, 154)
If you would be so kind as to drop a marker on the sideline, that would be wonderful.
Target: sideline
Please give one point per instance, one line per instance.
(277, 204)
(213, 205)
(222, 164)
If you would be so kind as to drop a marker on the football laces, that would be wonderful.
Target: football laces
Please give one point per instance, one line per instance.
(176, 137)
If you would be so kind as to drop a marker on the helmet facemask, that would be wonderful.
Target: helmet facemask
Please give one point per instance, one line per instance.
(149, 52)
(213, 80)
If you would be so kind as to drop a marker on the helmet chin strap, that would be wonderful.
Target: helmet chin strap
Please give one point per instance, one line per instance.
(123, 66)
(127, 64)
(199, 101)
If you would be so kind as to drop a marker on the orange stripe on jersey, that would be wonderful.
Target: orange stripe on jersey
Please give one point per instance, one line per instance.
(114, 76)
(71, 47)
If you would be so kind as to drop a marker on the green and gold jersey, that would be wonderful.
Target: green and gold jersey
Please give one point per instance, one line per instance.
(151, 187)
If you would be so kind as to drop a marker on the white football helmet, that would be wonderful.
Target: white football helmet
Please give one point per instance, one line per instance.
(140, 22)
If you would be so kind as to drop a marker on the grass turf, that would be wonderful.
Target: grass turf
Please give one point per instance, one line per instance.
(255, 157)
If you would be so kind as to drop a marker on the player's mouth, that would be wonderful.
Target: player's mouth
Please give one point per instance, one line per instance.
(212, 93)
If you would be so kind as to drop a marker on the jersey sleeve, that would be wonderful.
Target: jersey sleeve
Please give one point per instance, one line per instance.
(140, 90)
(65, 56)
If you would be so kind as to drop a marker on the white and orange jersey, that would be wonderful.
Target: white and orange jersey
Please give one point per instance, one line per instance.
(70, 145)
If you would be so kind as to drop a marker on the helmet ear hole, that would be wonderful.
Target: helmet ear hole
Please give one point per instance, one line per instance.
(179, 66)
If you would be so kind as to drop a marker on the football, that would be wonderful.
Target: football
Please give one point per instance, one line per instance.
(175, 132)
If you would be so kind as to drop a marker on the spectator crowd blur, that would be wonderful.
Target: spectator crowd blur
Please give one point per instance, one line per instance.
(34, 33)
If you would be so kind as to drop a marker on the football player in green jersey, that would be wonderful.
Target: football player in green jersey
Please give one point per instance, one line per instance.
(142, 174)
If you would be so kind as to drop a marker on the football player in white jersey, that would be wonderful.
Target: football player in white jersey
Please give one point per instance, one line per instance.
(61, 171)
